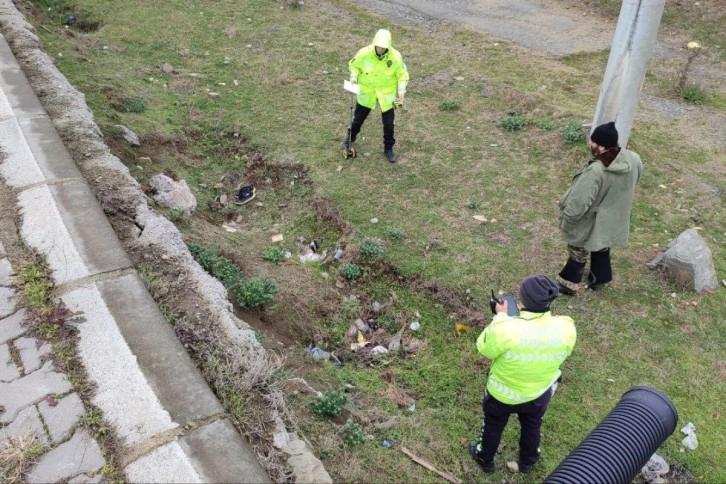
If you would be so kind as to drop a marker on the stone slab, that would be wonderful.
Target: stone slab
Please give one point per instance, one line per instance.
(61, 418)
(19, 167)
(84, 479)
(30, 389)
(6, 112)
(219, 454)
(2, 250)
(65, 223)
(123, 393)
(168, 368)
(8, 369)
(7, 58)
(167, 463)
(6, 272)
(13, 326)
(26, 423)
(31, 352)
(7, 301)
(81, 454)
(48, 152)
(20, 95)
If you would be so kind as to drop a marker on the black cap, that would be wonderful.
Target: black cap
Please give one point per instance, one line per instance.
(537, 292)
(605, 135)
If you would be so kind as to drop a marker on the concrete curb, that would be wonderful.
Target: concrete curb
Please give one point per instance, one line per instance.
(147, 386)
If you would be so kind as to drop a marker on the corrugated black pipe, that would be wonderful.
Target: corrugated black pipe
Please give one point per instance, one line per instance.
(622, 443)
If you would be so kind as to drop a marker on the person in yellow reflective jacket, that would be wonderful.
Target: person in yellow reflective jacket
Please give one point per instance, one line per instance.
(380, 72)
(526, 352)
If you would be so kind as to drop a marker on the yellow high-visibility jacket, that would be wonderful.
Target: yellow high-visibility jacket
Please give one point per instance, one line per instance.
(381, 78)
(526, 353)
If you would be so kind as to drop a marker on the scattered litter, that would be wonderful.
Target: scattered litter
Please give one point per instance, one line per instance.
(374, 220)
(360, 338)
(376, 306)
(338, 254)
(493, 145)
(312, 256)
(512, 466)
(223, 199)
(361, 344)
(340, 168)
(395, 342)
(300, 239)
(415, 326)
(277, 238)
(460, 328)
(458, 78)
(690, 441)
(230, 227)
(480, 218)
(693, 44)
(412, 408)
(446, 475)
(387, 444)
(662, 186)
(379, 350)
(655, 468)
(611, 380)
(324, 275)
(318, 353)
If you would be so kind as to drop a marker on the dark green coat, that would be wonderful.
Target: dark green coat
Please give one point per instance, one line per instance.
(595, 210)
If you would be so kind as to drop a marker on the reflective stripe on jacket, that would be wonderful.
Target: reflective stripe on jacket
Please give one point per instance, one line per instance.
(526, 353)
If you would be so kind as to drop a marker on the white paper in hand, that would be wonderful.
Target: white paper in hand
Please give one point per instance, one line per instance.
(350, 87)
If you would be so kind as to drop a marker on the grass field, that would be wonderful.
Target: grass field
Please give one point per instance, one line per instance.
(256, 95)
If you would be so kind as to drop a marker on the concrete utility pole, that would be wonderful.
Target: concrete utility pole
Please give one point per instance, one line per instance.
(633, 43)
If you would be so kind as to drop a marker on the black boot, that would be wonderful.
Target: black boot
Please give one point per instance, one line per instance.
(601, 271)
(572, 272)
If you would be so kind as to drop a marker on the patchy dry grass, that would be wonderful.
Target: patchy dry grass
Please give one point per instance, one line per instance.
(279, 126)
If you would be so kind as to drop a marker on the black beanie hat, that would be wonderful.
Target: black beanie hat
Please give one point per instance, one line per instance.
(537, 292)
(605, 135)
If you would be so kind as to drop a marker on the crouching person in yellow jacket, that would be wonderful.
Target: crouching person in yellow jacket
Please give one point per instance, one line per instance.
(526, 353)
(382, 76)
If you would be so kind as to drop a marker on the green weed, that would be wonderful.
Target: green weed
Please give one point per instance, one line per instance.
(256, 292)
(693, 94)
(572, 132)
(370, 249)
(352, 434)
(329, 404)
(350, 271)
(274, 253)
(449, 106)
(512, 123)
(133, 104)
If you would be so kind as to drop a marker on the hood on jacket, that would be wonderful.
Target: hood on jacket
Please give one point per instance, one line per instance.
(383, 39)
(620, 164)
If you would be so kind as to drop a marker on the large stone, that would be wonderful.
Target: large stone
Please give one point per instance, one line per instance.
(13, 326)
(173, 194)
(31, 352)
(26, 423)
(687, 261)
(8, 370)
(79, 455)
(130, 137)
(305, 466)
(6, 273)
(30, 389)
(61, 418)
(7, 301)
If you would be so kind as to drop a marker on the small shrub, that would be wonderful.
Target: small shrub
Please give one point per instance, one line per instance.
(396, 233)
(370, 248)
(133, 104)
(449, 106)
(693, 94)
(205, 256)
(274, 253)
(329, 404)
(573, 132)
(352, 434)
(256, 292)
(544, 123)
(228, 273)
(350, 271)
(176, 215)
(512, 123)
(472, 204)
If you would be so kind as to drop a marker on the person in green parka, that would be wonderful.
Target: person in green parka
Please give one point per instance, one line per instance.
(380, 72)
(595, 210)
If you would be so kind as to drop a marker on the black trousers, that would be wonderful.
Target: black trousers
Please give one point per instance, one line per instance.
(601, 271)
(496, 416)
(388, 117)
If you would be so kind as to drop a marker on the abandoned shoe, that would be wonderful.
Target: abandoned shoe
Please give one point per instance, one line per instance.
(487, 467)
(244, 195)
(390, 155)
(566, 290)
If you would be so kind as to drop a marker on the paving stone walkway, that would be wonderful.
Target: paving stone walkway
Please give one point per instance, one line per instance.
(35, 399)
